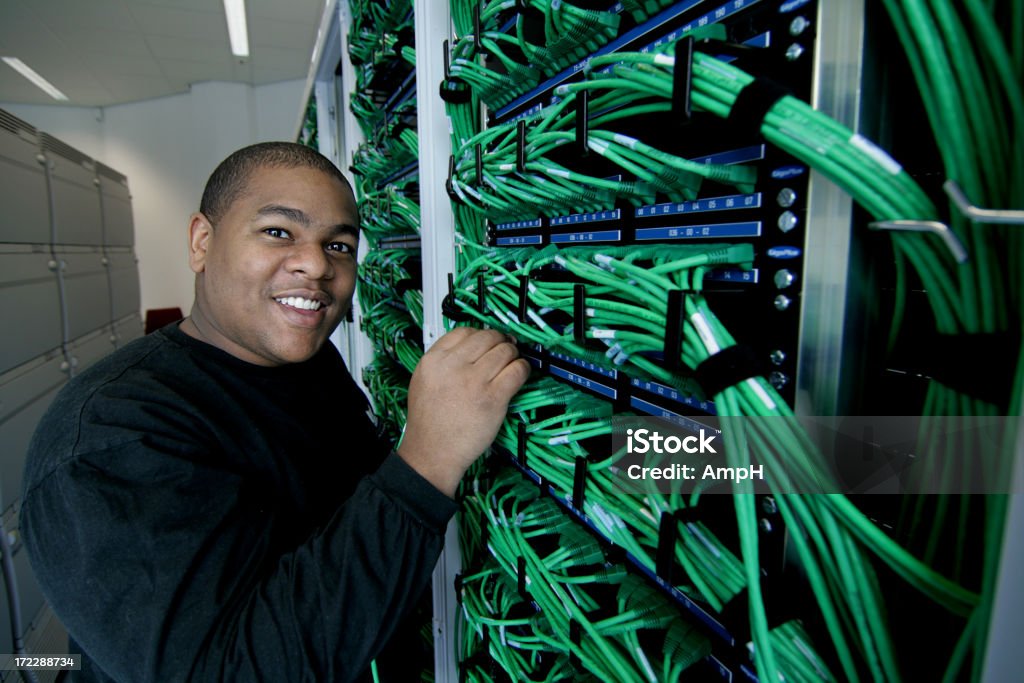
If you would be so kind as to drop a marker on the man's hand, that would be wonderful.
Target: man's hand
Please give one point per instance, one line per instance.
(458, 397)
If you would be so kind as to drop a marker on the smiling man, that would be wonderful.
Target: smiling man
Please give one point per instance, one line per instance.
(212, 501)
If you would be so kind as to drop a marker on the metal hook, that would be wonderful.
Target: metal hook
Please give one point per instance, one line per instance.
(940, 229)
(979, 214)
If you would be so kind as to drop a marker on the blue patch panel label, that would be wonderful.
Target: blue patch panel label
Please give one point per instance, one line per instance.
(598, 236)
(583, 382)
(613, 374)
(674, 395)
(714, 230)
(734, 156)
(710, 18)
(724, 203)
(517, 241)
(722, 669)
(518, 225)
(747, 277)
(681, 420)
(788, 7)
(594, 217)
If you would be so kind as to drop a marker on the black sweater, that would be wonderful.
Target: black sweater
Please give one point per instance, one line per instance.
(191, 516)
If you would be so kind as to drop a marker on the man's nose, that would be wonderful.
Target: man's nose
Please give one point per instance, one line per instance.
(310, 260)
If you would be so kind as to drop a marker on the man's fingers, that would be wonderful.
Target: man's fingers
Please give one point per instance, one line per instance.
(512, 377)
(473, 346)
(451, 339)
(494, 360)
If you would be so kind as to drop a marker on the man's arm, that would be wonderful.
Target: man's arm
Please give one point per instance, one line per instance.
(170, 580)
(157, 560)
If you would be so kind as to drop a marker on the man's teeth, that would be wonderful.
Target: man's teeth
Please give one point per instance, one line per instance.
(299, 302)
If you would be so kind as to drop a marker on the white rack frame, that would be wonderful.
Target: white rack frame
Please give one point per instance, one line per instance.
(819, 382)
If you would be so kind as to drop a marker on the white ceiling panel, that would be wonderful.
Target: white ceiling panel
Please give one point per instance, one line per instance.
(105, 52)
(160, 20)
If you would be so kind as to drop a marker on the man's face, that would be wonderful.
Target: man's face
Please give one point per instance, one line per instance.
(277, 271)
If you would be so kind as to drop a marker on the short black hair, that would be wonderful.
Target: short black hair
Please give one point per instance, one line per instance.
(227, 182)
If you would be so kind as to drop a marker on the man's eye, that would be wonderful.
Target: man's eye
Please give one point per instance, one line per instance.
(277, 232)
(341, 247)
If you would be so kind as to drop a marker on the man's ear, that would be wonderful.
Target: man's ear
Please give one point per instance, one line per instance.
(199, 233)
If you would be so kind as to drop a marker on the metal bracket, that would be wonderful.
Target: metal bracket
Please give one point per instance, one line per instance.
(978, 214)
(940, 229)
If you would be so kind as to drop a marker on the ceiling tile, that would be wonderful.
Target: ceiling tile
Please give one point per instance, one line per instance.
(102, 52)
(189, 49)
(160, 20)
(105, 14)
(281, 34)
(303, 11)
(125, 43)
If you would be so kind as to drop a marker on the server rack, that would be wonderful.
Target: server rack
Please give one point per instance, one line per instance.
(820, 370)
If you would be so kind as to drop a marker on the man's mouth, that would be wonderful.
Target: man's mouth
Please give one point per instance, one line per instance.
(300, 303)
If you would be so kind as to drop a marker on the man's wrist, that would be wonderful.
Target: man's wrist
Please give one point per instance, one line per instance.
(443, 476)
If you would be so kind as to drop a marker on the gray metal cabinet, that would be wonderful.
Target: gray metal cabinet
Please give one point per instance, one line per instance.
(25, 218)
(74, 193)
(29, 304)
(25, 394)
(116, 203)
(124, 283)
(86, 289)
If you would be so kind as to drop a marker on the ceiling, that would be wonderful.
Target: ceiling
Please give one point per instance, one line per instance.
(106, 52)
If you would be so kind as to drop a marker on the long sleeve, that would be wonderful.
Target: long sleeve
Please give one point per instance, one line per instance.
(192, 518)
(167, 580)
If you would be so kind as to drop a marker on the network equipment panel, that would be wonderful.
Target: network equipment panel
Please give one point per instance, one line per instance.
(656, 198)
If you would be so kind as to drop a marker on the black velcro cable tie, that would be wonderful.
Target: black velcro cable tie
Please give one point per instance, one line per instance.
(477, 28)
(729, 366)
(582, 122)
(524, 290)
(521, 146)
(673, 348)
(481, 296)
(455, 91)
(449, 308)
(478, 150)
(521, 444)
(452, 194)
(579, 482)
(579, 313)
(978, 365)
(752, 104)
(682, 82)
(665, 558)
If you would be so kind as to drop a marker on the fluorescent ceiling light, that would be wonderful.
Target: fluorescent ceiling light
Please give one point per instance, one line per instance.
(237, 31)
(37, 80)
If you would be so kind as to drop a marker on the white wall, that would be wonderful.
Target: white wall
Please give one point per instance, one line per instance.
(168, 147)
